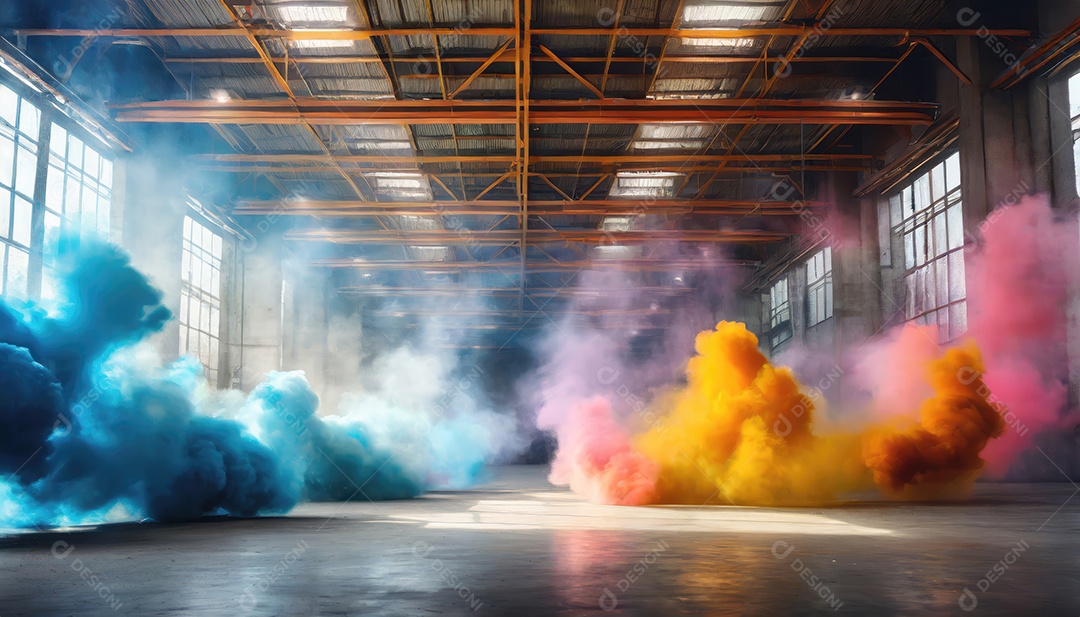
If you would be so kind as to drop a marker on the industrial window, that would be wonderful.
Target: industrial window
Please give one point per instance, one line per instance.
(200, 296)
(927, 218)
(779, 314)
(79, 192)
(20, 123)
(819, 287)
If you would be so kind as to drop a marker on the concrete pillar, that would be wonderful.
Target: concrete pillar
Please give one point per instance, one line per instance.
(857, 309)
(260, 327)
(972, 141)
(153, 231)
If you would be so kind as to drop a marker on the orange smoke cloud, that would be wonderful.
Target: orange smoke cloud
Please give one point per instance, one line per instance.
(742, 431)
(953, 428)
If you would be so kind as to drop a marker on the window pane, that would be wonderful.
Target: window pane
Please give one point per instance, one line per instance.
(106, 174)
(937, 182)
(52, 226)
(956, 227)
(941, 243)
(9, 105)
(17, 267)
(952, 171)
(20, 229)
(920, 246)
(957, 320)
(54, 190)
(29, 119)
(92, 164)
(941, 279)
(929, 288)
(922, 193)
(72, 190)
(58, 142)
(75, 152)
(25, 171)
(7, 161)
(909, 250)
(957, 284)
(5, 213)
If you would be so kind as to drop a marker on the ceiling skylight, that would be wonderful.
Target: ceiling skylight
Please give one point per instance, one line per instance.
(712, 13)
(644, 184)
(314, 14)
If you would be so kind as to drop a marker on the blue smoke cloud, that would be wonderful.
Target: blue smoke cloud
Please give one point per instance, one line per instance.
(94, 429)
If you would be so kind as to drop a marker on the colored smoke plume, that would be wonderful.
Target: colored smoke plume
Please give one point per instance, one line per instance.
(94, 428)
(954, 426)
(743, 431)
(1018, 291)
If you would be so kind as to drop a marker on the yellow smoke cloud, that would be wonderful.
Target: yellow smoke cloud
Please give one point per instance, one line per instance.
(742, 431)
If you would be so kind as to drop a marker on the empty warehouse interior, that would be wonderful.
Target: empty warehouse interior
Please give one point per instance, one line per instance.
(538, 307)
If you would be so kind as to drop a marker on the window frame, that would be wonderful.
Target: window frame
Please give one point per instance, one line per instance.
(49, 116)
(925, 213)
(26, 149)
(819, 288)
(780, 325)
(193, 293)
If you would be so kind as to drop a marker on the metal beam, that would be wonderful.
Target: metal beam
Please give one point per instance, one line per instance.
(483, 67)
(346, 158)
(316, 160)
(1037, 57)
(507, 56)
(508, 292)
(283, 204)
(357, 34)
(510, 266)
(566, 67)
(336, 112)
(440, 237)
(491, 207)
(321, 34)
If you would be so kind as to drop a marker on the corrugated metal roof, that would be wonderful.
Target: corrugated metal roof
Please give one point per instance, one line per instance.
(382, 77)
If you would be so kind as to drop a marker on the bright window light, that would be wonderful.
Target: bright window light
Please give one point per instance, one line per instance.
(616, 251)
(429, 253)
(371, 145)
(616, 223)
(676, 131)
(668, 145)
(321, 44)
(399, 183)
(312, 14)
(743, 12)
(645, 184)
(732, 45)
(396, 174)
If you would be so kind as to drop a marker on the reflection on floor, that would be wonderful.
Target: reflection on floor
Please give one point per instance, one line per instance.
(518, 546)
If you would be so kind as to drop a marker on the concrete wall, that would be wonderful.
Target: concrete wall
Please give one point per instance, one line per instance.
(261, 319)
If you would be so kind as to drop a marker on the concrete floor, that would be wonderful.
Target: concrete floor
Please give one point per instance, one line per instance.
(518, 546)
